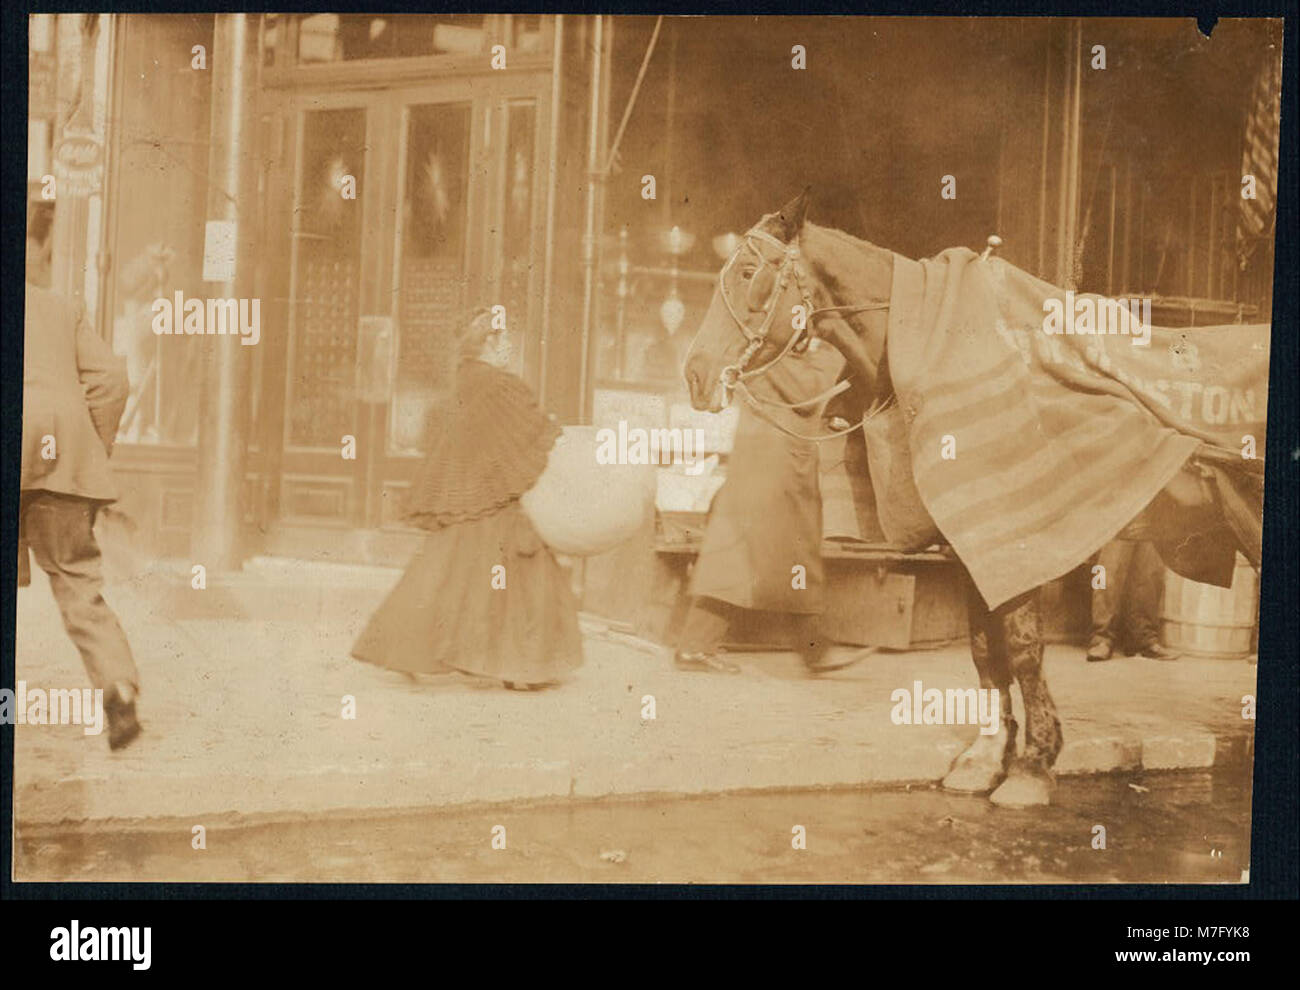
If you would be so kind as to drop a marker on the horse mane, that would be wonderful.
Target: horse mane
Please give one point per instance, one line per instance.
(840, 235)
(846, 270)
(852, 271)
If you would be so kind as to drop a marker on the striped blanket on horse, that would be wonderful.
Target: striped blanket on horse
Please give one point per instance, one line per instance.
(1034, 438)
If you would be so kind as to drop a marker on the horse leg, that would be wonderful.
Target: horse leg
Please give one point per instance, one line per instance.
(1030, 780)
(983, 764)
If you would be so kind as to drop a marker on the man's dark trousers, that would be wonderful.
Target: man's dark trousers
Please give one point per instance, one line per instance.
(59, 530)
(1126, 612)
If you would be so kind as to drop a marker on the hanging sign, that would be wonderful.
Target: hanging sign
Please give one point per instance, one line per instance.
(79, 165)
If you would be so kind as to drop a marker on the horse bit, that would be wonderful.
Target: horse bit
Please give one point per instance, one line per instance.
(733, 376)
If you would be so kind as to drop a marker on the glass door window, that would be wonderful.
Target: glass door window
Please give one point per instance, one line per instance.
(514, 246)
(432, 285)
(326, 274)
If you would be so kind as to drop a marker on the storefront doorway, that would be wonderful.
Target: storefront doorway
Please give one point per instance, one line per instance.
(389, 211)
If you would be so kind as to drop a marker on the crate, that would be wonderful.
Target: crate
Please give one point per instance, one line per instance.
(896, 601)
(875, 595)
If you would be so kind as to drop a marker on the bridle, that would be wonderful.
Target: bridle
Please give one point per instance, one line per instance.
(733, 376)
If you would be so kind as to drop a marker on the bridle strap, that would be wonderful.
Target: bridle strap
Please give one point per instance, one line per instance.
(734, 376)
(824, 396)
(869, 307)
(753, 402)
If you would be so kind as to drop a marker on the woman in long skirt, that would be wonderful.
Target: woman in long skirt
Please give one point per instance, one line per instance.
(483, 594)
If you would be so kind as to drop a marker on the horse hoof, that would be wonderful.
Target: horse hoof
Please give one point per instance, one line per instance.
(973, 778)
(1024, 789)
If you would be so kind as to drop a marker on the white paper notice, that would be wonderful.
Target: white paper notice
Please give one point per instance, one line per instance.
(219, 250)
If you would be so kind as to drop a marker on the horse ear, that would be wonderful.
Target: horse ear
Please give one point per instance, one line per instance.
(791, 216)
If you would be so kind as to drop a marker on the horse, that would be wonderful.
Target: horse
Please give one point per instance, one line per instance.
(789, 281)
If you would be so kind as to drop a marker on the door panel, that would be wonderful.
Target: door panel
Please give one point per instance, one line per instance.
(515, 265)
(449, 205)
(327, 276)
(326, 279)
(431, 261)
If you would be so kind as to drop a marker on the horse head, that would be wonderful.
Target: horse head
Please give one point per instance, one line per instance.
(749, 320)
(772, 294)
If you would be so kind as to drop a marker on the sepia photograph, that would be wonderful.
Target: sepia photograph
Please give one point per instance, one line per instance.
(631, 449)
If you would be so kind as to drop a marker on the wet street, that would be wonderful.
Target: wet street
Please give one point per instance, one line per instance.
(1159, 827)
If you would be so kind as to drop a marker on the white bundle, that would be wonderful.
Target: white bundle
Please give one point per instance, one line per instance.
(581, 507)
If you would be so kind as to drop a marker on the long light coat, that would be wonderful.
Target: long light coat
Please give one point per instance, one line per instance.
(765, 523)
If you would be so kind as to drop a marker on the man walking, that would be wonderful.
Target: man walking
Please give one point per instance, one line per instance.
(74, 391)
(762, 541)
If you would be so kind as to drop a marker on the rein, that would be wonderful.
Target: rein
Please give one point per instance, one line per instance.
(754, 403)
(734, 376)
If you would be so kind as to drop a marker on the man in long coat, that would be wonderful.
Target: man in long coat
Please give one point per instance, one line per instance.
(762, 542)
(74, 391)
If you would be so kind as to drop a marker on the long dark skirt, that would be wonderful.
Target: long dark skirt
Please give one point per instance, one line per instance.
(448, 611)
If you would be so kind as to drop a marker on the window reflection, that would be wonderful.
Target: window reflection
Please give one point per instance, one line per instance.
(348, 37)
(516, 240)
(432, 287)
(157, 236)
(526, 32)
(327, 246)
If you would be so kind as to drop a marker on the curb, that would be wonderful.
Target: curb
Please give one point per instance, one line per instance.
(437, 787)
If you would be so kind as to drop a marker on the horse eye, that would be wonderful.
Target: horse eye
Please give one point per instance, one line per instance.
(747, 274)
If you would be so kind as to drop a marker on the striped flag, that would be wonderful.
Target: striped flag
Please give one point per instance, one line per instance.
(1259, 159)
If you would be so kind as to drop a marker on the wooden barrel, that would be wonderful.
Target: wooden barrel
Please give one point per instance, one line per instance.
(1205, 621)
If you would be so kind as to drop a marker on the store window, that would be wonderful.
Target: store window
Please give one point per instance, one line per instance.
(157, 226)
(325, 38)
(527, 32)
(657, 287)
(41, 112)
(348, 37)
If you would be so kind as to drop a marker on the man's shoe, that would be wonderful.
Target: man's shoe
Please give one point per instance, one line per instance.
(1158, 651)
(123, 726)
(1100, 650)
(820, 661)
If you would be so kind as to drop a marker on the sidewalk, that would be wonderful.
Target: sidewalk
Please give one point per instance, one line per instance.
(243, 687)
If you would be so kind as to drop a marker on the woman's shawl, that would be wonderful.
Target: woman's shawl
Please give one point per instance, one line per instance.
(489, 442)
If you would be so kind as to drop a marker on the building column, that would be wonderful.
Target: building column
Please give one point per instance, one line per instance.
(594, 190)
(225, 389)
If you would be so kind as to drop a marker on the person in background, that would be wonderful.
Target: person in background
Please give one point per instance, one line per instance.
(766, 520)
(483, 594)
(1126, 609)
(142, 280)
(74, 390)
